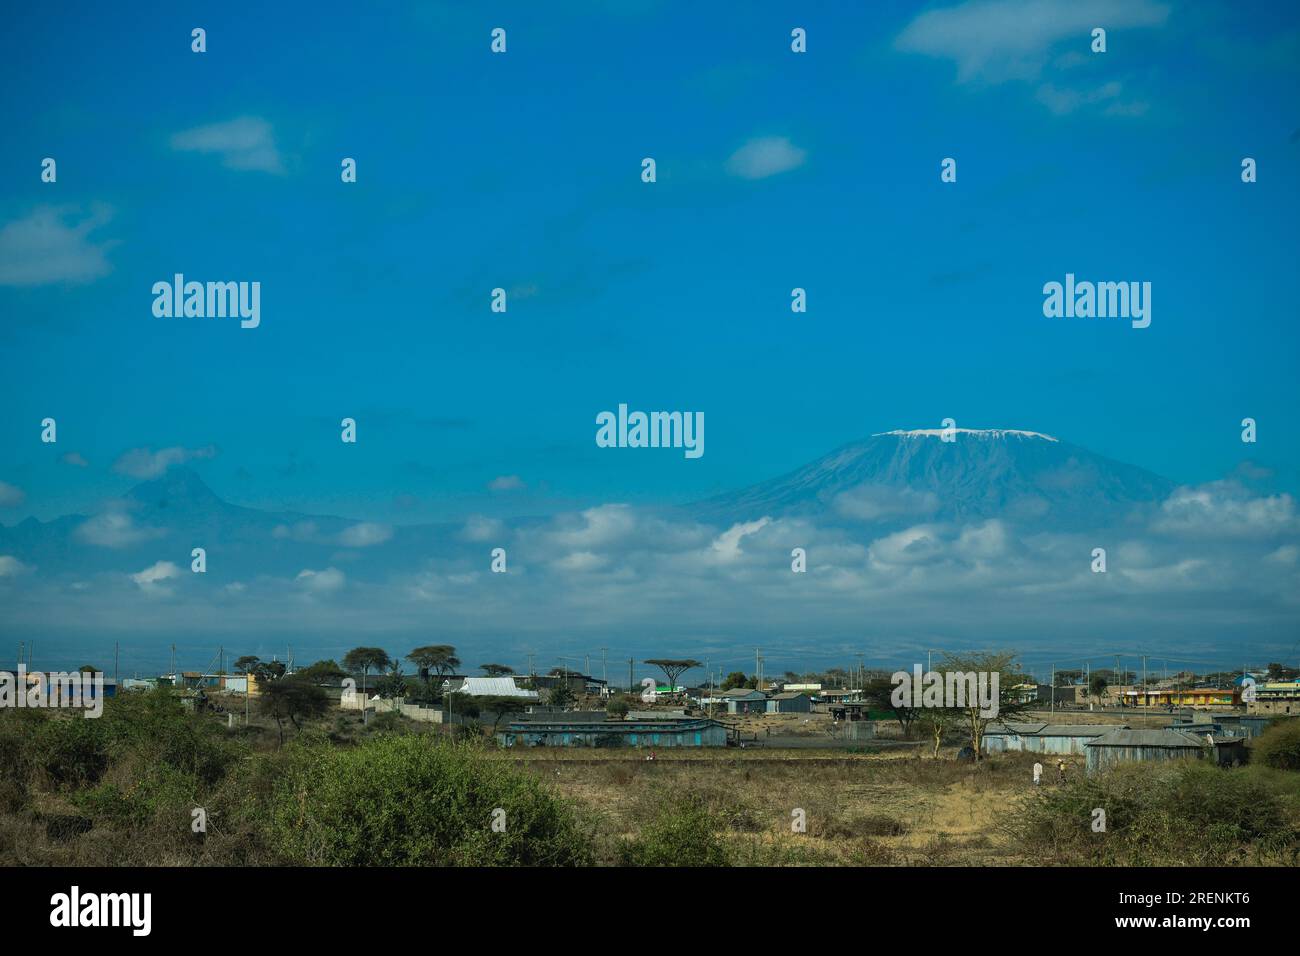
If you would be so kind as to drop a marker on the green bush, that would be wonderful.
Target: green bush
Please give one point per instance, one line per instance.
(413, 801)
(161, 793)
(684, 832)
(159, 728)
(1279, 745)
(72, 750)
(1181, 813)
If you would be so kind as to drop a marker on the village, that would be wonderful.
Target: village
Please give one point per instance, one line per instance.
(1081, 716)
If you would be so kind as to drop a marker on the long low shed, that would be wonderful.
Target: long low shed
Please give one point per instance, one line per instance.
(700, 732)
(1123, 745)
(1043, 738)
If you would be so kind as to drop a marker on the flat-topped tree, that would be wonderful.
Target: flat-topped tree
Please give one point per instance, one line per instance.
(367, 659)
(322, 672)
(496, 670)
(439, 659)
(673, 668)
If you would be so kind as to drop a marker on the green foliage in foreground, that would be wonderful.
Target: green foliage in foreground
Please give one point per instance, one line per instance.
(683, 832)
(1180, 813)
(1279, 745)
(412, 801)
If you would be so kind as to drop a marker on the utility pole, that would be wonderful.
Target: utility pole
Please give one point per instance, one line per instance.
(629, 675)
(1146, 698)
(604, 676)
(21, 644)
(115, 662)
(758, 669)
(1052, 688)
(173, 674)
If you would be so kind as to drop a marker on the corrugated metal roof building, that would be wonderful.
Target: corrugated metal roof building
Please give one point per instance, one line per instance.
(494, 687)
(789, 703)
(1042, 738)
(563, 730)
(1123, 745)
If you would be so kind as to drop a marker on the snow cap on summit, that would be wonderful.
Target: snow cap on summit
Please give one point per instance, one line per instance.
(983, 432)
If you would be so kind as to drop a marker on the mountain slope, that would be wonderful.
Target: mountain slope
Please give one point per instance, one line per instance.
(983, 473)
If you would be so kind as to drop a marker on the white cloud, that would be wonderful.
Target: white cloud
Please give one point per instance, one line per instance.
(1227, 509)
(10, 495)
(874, 502)
(994, 41)
(245, 143)
(727, 545)
(365, 534)
(115, 529)
(144, 463)
(580, 561)
(479, 528)
(10, 566)
(1063, 100)
(506, 483)
(53, 244)
(149, 579)
(300, 531)
(915, 545)
(75, 459)
(321, 582)
(765, 156)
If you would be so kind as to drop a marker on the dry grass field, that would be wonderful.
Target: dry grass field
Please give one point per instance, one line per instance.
(859, 809)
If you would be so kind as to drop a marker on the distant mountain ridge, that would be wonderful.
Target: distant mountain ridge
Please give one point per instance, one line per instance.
(891, 479)
(982, 473)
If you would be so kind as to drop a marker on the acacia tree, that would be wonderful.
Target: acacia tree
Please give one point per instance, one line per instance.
(322, 672)
(500, 707)
(496, 670)
(880, 696)
(561, 695)
(363, 659)
(673, 668)
(1097, 686)
(292, 699)
(432, 659)
(1001, 663)
(733, 680)
(393, 684)
(268, 671)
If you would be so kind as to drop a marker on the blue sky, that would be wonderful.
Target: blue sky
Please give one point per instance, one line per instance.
(522, 170)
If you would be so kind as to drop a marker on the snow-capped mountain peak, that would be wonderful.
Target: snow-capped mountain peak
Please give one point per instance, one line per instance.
(978, 432)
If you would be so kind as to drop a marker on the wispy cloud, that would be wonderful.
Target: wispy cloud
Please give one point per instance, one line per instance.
(76, 459)
(52, 244)
(321, 582)
(506, 483)
(765, 156)
(115, 529)
(245, 143)
(146, 463)
(11, 495)
(365, 535)
(993, 41)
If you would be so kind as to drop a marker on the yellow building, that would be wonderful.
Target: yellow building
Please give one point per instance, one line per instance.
(1192, 697)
